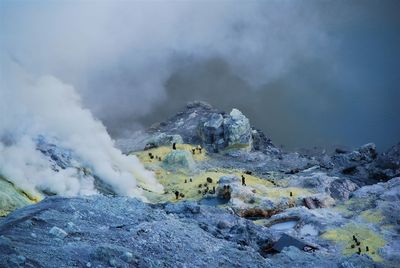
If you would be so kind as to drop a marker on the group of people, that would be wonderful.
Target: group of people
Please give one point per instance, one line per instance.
(358, 244)
(206, 189)
(151, 156)
(197, 149)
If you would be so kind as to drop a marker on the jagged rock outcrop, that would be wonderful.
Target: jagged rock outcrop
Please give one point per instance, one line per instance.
(364, 165)
(211, 132)
(349, 162)
(201, 124)
(387, 165)
(237, 130)
(390, 159)
(341, 189)
(231, 131)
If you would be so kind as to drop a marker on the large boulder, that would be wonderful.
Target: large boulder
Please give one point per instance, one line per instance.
(178, 159)
(342, 188)
(237, 130)
(231, 131)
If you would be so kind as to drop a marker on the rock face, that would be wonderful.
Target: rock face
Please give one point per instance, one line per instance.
(387, 165)
(364, 155)
(390, 159)
(179, 235)
(342, 188)
(237, 130)
(123, 232)
(212, 132)
(186, 122)
(163, 139)
(61, 158)
(199, 123)
(230, 132)
(363, 165)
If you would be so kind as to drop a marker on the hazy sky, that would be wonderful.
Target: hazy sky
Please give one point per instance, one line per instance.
(306, 72)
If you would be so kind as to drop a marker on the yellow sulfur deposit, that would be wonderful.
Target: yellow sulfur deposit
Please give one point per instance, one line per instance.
(363, 234)
(11, 198)
(162, 151)
(373, 216)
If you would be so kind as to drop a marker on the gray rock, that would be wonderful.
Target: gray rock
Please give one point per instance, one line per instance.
(178, 159)
(390, 159)
(237, 130)
(163, 139)
(365, 154)
(61, 157)
(58, 232)
(211, 132)
(342, 188)
(125, 232)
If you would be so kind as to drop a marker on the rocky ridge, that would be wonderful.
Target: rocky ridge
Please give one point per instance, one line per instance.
(230, 196)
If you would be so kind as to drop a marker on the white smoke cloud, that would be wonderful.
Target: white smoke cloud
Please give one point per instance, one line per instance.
(33, 106)
(119, 54)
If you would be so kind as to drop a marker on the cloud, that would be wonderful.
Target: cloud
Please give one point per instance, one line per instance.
(123, 57)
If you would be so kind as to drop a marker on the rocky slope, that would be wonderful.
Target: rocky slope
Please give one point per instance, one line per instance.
(231, 198)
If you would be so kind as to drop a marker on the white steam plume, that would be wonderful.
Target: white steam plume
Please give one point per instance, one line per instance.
(33, 106)
(119, 54)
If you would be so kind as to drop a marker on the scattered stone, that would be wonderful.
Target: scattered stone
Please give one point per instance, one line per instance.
(58, 232)
(342, 188)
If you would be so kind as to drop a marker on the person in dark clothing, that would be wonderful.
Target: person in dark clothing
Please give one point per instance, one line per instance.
(176, 194)
(243, 181)
(174, 146)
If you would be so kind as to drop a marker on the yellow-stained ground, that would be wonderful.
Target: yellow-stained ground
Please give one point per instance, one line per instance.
(364, 235)
(373, 216)
(354, 206)
(175, 181)
(12, 198)
(162, 151)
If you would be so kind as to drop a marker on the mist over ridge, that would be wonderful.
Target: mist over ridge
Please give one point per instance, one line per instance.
(314, 73)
